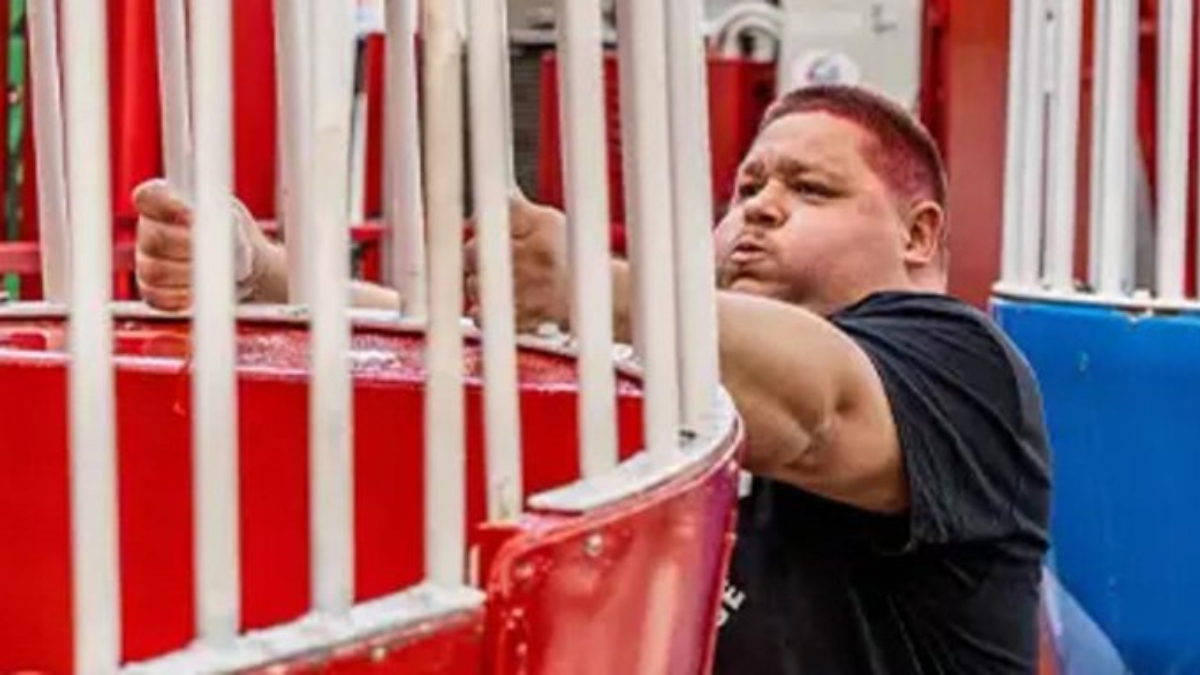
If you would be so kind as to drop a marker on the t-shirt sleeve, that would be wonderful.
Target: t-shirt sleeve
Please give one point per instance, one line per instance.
(968, 417)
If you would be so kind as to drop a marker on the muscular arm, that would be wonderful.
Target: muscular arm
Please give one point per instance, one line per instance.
(815, 410)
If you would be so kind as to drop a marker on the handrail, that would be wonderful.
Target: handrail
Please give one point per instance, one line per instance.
(1046, 62)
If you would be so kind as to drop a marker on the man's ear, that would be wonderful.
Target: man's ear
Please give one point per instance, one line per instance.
(925, 236)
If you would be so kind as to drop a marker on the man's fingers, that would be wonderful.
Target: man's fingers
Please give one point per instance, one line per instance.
(166, 299)
(162, 240)
(163, 273)
(155, 200)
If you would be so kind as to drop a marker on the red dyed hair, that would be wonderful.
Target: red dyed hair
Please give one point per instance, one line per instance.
(903, 153)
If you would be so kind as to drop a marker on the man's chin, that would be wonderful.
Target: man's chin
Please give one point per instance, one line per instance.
(759, 287)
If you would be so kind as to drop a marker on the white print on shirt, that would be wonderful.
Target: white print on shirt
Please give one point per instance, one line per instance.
(745, 484)
(731, 601)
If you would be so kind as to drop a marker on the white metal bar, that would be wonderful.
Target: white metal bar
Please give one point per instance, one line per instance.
(331, 461)
(647, 162)
(1034, 136)
(95, 579)
(491, 175)
(1174, 77)
(585, 179)
(214, 382)
(404, 205)
(1097, 172)
(294, 66)
(1014, 150)
(1064, 149)
(692, 192)
(48, 139)
(172, 41)
(1116, 203)
(445, 510)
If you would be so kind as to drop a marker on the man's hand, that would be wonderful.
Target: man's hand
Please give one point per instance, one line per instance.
(541, 281)
(164, 249)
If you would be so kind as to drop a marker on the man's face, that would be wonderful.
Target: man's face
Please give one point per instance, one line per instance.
(811, 222)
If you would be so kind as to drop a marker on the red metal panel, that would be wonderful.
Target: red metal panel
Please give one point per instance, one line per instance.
(155, 477)
(630, 589)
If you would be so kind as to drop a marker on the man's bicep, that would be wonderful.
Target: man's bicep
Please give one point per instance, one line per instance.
(857, 459)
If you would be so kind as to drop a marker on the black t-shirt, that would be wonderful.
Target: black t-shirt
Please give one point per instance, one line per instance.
(821, 588)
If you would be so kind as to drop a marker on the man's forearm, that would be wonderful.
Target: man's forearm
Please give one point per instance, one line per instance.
(270, 283)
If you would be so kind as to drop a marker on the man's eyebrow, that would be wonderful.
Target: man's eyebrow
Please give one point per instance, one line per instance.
(793, 167)
(755, 168)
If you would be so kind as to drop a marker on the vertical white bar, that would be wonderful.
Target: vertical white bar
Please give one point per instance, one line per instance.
(404, 205)
(95, 579)
(293, 64)
(1064, 149)
(1014, 143)
(445, 507)
(214, 380)
(647, 161)
(1116, 196)
(331, 459)
(585, 178)
(1034, 136)
(1174, 78)
(487, 57)
(693, 200)
(1097, 178)
(48, 139)
(171, 37)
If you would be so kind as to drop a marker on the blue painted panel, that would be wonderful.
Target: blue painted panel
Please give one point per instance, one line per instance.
(1122, 397)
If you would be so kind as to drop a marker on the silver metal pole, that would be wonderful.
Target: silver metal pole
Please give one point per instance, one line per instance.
(331, 456)
(445, 507)
(647, 155)
(95, 574)
(585, 177)
(214, 380)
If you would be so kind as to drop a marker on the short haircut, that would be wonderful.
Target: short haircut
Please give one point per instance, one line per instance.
(903, 154)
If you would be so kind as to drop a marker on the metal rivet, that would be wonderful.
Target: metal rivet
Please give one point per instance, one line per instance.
(379, 654)
(593, 545)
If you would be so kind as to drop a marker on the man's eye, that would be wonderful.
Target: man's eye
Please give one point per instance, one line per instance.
(812, 188)
(747, 190)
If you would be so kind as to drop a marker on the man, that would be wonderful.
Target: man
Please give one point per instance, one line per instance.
(897, 518)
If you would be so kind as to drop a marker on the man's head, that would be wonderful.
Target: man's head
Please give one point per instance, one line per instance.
(842, 194)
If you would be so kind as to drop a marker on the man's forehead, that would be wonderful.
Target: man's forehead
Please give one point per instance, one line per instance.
(808, 141)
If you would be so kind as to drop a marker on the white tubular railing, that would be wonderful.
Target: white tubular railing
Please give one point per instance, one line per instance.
(585, 178)
(487, 60)
(1034, 138)
(48, 134)
(292, 40)
(1037, 263)
(214, 380)
(404, 205)
(95, 579)
(445, 545)
(172, 41)
(1117, 66)
(666, 136)
(1059, 259)
(647, 163)
(1014, 151)
(331, 469)
(1174, 81)
(693, 203)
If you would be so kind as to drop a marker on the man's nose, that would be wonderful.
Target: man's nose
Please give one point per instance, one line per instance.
(767, 208)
